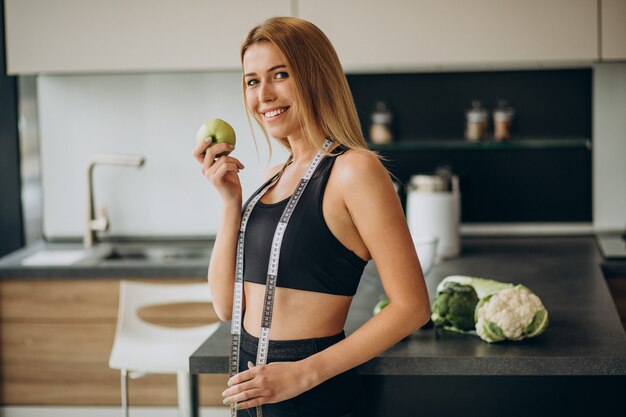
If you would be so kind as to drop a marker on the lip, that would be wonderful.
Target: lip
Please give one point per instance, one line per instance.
(269, 110)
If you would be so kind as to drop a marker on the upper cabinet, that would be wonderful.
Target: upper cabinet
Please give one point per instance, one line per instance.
(413, 34)
(74, 36)
(78, 36)
(613, 29)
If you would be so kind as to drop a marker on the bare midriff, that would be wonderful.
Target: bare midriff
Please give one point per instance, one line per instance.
(297, 314)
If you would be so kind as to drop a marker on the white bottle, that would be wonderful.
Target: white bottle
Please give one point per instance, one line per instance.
(433, 207)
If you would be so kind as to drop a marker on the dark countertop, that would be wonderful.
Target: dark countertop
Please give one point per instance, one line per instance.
(584, 337)
(11, 266)
(613, 248)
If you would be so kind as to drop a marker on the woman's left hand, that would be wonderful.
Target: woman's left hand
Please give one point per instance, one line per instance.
(272, 383)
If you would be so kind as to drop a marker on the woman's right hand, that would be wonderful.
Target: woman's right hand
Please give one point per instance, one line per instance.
(221, 171)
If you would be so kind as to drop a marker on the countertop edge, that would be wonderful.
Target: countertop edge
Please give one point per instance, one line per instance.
(385, 366)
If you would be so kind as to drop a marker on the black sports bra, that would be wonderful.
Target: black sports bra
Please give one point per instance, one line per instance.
(311, 257)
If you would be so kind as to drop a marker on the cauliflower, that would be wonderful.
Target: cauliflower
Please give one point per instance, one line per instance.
(509, 314)
(493, 310)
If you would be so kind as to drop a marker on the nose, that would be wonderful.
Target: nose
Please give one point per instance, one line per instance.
(267, 92)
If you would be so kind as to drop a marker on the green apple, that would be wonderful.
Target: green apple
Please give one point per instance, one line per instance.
(216, 131)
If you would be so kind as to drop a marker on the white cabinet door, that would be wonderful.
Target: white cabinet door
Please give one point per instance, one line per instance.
(406, 34)
(613, 29)
(73, 36)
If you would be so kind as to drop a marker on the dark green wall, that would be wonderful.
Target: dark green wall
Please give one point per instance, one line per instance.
(11, 224)
(503, 185)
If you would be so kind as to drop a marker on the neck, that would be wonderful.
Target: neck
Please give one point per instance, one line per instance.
(302, 152)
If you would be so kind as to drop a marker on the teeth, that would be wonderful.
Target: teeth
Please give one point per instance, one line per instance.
(275, 113)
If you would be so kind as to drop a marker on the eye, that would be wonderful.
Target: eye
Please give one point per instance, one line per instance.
(252, 82)
(280, 75)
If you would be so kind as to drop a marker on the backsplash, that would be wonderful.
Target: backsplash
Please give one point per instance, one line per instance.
(154, 115)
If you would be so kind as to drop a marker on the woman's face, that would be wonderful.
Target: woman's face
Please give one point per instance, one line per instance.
(268, 90)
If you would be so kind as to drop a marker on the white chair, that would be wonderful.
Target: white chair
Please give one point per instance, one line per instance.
(141, 347)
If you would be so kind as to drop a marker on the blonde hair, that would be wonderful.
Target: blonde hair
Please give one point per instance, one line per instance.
(325, 104)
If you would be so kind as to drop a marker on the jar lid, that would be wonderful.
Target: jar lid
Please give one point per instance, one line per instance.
(501, 115)
(381, 118)
(382, 115)
(476, 116)
(428, 183)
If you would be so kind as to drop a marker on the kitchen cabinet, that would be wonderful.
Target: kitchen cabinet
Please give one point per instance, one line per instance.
(613, 33)
(371, 35)
(56, 337)
(75, 36)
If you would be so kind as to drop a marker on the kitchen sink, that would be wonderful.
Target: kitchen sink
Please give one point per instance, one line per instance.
(111, 253)
(157, 252)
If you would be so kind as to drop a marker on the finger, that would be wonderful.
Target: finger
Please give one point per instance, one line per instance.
(239, 388)
(253, 402)
(200, 150)
(217, 149)
(220, 173)
(241, 377)
(230, 159)
(210, 161)
(250, 364)
(254, 398)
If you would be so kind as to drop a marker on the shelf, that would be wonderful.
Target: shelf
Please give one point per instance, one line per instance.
(456, 144)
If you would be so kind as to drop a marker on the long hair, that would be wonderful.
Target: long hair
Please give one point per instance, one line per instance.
(325, 104)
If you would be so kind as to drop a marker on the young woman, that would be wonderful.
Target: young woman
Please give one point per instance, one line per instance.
(348, 214)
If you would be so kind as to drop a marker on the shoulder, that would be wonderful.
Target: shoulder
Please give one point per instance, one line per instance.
(357, 167)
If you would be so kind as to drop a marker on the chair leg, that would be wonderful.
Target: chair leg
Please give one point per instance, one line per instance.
(187, 385)
(124, 385)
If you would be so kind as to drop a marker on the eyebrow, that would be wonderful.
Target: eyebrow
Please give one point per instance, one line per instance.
(275, 67)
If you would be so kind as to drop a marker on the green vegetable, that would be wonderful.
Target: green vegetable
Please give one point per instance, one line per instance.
(380, 305)
(454, 306)
(498, 311)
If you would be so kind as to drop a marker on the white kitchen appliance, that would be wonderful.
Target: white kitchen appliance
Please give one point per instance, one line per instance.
(433, 207)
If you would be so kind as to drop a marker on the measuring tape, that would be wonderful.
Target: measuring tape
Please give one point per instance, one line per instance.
(272, 273)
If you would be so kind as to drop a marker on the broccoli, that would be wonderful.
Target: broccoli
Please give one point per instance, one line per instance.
(455, 306)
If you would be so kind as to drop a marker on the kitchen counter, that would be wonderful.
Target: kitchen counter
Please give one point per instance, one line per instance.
(92, 262)
(584, 338)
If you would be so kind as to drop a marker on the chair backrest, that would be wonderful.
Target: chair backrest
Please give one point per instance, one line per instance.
(136, 295)
(136, 335)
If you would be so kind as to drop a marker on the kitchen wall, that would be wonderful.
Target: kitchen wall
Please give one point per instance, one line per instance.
(609, 153)
(154, 115)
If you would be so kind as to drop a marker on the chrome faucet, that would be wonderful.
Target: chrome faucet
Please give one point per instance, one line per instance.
(101, 223)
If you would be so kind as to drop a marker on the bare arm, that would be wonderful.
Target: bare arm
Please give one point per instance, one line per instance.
(223, 173)
(377, 213)
(221, 273)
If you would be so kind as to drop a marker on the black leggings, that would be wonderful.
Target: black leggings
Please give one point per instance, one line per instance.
(334, 397)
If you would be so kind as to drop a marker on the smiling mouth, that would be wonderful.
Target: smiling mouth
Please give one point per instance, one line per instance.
(273, 113)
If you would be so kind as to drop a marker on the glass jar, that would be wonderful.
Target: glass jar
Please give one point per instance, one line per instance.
(380, 130)
(502, 120)
(476, 122)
